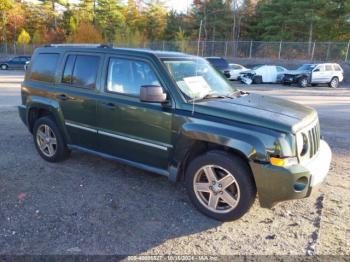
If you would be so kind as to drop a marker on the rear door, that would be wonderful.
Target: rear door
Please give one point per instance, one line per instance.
(128, 128)
(76, 93)
(329, 72)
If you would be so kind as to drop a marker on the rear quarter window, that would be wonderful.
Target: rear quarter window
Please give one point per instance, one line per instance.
(337, 68)
(44, 66)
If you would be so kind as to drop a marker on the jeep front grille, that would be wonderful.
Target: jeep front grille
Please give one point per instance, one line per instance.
(314, 137)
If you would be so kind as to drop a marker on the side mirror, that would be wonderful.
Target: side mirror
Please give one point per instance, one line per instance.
(152, 94)
(316, 70)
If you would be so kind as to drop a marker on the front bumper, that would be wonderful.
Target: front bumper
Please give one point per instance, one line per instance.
(22, 111)
(276, 184)
(288, 80)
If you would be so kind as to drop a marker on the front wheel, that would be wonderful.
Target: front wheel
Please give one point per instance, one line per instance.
(220, 185)
(334, 82)
(4, 67)
(49, 140)
(303, 82)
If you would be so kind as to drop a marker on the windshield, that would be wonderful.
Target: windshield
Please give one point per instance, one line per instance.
(197, 79)
(306, 67)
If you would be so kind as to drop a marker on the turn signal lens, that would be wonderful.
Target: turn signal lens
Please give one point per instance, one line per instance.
(283, 161)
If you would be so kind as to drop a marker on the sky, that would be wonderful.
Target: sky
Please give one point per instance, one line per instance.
(178, 5)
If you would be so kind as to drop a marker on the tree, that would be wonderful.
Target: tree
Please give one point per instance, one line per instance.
(154, 20)
(23, 38)
(110, 19)
(174, 23)
(5, 6)
(86, 33)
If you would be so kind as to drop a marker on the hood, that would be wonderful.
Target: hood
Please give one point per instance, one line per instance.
(297, 72)
(260, 110)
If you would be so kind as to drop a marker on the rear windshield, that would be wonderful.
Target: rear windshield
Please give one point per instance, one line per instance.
(44, 67)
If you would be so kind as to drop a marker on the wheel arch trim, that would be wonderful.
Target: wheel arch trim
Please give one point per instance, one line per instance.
(50, 105)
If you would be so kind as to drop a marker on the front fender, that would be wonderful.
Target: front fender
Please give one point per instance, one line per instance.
(50, 105)
(250, 141)
(244, 142)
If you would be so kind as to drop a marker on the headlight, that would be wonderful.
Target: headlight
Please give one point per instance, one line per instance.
(302, 144)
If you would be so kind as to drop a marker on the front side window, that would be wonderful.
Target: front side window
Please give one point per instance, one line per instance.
(127, 76)
(197, 79)
(44, 67)
(81, 70)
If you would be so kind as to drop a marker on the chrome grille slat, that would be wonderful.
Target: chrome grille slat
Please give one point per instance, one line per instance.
(314, 139)
(313, 135)
(311, 144)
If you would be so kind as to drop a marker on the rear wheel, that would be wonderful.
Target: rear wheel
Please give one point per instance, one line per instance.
(220, 185)
(49, 140)
(4, 67)
(334, 82)
(302, 82)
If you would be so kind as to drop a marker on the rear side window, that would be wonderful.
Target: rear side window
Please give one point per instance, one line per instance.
(329, 68)
(44, 67)
(81, 70)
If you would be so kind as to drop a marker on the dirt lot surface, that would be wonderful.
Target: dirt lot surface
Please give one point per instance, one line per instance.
(88, 205)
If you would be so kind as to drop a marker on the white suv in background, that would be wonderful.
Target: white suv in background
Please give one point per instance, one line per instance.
(314, 74)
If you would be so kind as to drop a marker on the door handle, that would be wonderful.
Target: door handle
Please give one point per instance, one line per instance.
(109, 105)
(63, 97)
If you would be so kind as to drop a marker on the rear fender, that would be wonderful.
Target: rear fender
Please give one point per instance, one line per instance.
(50, 105)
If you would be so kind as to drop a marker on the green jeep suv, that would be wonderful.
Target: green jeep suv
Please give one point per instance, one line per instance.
(173, 114)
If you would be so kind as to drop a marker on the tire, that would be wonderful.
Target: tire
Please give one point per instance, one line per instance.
(302, 82)
(241, 192)
(334, 83)
(257, 80)
(44, 140)
(4, 67)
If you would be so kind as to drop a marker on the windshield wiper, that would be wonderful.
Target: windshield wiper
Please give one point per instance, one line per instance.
(207, 96)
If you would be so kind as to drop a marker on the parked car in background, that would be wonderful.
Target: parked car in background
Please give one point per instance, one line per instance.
(314, 74)
(235, 70)
(264, 74)
(17, 62)
(220, 64)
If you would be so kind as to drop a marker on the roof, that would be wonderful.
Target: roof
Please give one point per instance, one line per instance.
(94, 47)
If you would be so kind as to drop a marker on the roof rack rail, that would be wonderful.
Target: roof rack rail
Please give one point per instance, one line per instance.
(80, 45)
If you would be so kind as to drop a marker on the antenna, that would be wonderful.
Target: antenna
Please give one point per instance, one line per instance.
(198, 46)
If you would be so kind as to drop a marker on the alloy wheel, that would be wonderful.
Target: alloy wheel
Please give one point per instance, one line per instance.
(216, 189)
(46, 140)
(334, 83)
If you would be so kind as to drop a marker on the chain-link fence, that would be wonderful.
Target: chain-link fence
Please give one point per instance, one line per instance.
(314, 51)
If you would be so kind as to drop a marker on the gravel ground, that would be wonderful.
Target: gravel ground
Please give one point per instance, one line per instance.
(89, 205)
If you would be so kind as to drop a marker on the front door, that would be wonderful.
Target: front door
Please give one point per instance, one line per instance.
(76, 94)
(130, 129)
